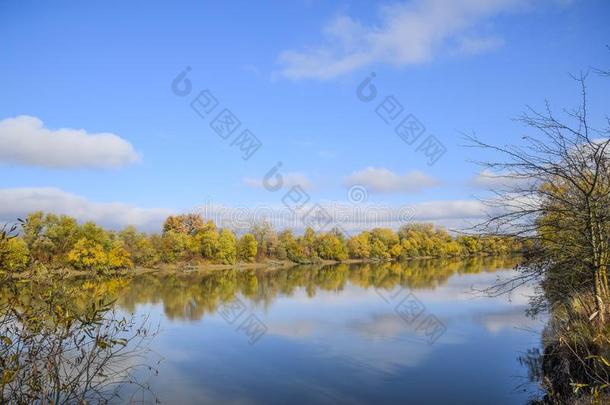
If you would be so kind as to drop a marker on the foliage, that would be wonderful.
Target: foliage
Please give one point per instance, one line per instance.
(330, 247)
(207, 238)
(59, 344)
(118, 257)
(139, 247)
(247, 248)
(290, 247)
(60, 242)
(14, 255)
(266, 240)
(178, 247)
(359, 246)
(187, 223)
(556, 196)
(227, 251)
(50, 237)
(307, 244)
(88, 254)
(205, 292)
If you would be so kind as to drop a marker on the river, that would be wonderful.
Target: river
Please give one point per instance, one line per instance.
(417, 332)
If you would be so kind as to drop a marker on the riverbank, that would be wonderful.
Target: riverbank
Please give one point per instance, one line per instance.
(207, 268)
(574, 366)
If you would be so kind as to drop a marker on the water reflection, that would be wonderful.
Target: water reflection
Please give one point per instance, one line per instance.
(330, 336)
(191, 296)
(60, 346)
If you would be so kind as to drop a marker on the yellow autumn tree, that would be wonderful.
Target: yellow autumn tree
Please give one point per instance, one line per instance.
(88, 254)
(118, 257)
(14, 255)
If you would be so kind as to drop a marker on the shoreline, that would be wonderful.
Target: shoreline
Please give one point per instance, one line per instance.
(207, 268)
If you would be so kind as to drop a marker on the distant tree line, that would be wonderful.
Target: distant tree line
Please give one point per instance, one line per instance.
(59, 241)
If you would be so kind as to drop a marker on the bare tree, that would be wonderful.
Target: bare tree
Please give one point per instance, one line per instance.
(555, 194)
(603, 72)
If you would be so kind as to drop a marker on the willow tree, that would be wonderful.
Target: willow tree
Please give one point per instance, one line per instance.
(554, 191)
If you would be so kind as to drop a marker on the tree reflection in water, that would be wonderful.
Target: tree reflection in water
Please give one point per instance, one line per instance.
(191, 296)
(64, 342)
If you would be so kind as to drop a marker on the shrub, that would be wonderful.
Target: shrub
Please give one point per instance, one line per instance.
(14, 255)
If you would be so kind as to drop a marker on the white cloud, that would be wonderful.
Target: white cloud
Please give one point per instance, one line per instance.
(449, 209)
(474, 45)
(490, 180)
(24, 140)
(510, 319)
(289, 180)
(18, 202)
(385, 181)
(407, 33)
(453, 214)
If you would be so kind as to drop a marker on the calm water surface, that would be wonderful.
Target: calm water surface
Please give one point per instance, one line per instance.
(333, 334)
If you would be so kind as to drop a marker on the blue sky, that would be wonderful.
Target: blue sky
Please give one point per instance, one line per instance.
(289, 72)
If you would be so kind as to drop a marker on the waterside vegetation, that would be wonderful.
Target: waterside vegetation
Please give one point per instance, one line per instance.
(49, 242)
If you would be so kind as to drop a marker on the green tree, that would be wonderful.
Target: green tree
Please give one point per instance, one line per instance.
(330, 247)
(290, 246)
(93, 232)
(379, 250)
(139, 246)
(62, 233)
(33, 235)
(247, 248)
(208, 240)
(178, 247)
(227, 250)
(50, 237)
